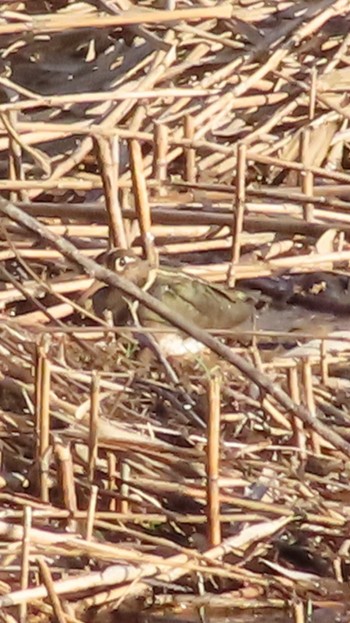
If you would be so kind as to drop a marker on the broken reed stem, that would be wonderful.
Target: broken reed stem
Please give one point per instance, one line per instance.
(112, 485)
(239, 207)
(310, 402)
(189, 152)
(338, 570)
(108, 156)
(298, 425)
(58, 22)
(213, 459)
(65, 471)
(324, 363)
(298, 611)
(93, 424)
(25, 553)
(15, 168)
(47, 580)
(313, 94)
(141, 199)
(275, 413)
(160, 162)
(266, 404)
(123, 505)
(42, 414)
(91, 512)
(307, 178)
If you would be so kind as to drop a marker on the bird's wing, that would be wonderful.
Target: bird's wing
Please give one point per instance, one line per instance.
(203, 304)
(112, 299)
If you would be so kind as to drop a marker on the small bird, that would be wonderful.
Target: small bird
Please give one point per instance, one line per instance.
(207, 305)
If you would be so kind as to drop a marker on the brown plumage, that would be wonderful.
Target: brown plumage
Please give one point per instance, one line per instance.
(209, 306)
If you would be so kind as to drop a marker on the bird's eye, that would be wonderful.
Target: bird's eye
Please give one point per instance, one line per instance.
(120, 263)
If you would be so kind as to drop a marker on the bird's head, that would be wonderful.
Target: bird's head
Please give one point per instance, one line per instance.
(127, 264)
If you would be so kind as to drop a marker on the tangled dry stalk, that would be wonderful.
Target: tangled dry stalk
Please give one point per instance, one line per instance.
(216, 137)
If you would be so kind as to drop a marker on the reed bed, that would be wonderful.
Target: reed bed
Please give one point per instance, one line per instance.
(215, 136)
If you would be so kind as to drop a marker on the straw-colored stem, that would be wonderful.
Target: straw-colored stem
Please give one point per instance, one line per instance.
(42, 411)
(93, 424)
(213, 461)
(108, 149)
(141, 199)
(239, 207)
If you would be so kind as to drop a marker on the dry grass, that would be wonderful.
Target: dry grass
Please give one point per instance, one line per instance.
(215, 135)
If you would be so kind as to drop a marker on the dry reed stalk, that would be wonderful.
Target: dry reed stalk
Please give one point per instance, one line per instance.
(190, 153)
(42, 414)
(49, 584)
(299, 611)
(240, 199)
(91, 513)
(25, 554)
(124, 491)
(65, 480)
(141, 200)
(115, 115)
(15, 166)
(130, 289)
(306, 177)
(324, 363)
(46, 23)
(211, 84)
(298, 426)
(109, 163)
(93, 424)
(213, 462)
(160, 163)
(55, 312)
(112, 484)
(117, 95)
(309, 399)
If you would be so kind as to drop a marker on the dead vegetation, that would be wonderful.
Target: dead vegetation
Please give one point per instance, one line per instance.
(215, 136)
